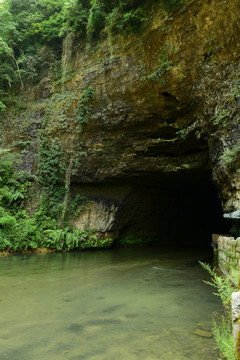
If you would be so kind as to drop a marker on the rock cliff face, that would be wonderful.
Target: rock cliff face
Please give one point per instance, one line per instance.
(164, 123)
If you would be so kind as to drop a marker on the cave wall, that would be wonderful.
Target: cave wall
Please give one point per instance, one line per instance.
(166, 109)
(179, 211)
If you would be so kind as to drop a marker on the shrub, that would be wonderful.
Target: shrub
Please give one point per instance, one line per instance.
(222, 328)
(96, 21)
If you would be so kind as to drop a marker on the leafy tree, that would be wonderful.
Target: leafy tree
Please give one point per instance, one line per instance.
(96, 20)
(75, 18)
(25, 27)
(9, 69)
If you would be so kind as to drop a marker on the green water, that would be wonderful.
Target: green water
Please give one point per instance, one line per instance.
(122, 304)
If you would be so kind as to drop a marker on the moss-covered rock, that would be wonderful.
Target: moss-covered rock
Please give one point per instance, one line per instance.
(166, 104)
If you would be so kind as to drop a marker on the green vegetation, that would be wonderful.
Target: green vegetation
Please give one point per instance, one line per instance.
(17, 230)
(48, 221)
(222, 117)
(74, 152)
(230, 155)
(32, 32)
(51, 169)
(182, 133)
(36, 211)
(222, 327)
(84, 107)
(222, 331)
(229, 103)
(131, 240)
(21, 231)
(161, 70)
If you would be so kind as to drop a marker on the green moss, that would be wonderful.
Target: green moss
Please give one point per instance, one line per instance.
(132, 240)
(162, 69)
(230, 254)
(230, 155)
(93, 241)
(222, 117)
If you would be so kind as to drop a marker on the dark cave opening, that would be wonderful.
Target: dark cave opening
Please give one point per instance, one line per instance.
(175, 211)
(178, 210)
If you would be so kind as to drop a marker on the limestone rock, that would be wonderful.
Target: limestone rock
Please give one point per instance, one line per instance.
(147, 132)
(233, 215)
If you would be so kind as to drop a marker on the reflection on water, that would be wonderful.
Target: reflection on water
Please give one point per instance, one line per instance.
(124, 304)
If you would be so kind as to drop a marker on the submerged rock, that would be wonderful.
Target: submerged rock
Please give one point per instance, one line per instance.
(203, 333)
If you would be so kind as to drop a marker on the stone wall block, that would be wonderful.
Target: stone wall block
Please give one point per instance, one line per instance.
(236, 321)
(238, 245)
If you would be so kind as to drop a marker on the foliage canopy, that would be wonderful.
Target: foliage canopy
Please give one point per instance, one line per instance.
(26, 27)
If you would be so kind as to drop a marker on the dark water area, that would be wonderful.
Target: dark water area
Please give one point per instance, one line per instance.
(121, 304)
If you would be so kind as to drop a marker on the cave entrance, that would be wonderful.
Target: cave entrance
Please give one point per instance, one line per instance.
(175, 211)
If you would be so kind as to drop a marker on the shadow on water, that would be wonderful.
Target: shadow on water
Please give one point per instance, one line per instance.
(134, 303)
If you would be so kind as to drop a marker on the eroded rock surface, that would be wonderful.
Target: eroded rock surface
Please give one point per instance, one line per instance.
(166, 109)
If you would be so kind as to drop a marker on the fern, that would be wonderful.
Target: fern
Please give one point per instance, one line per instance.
(222, 329)
(222, 332)
(7, 222)
(5, 195)
(5, 244)
(223, 285)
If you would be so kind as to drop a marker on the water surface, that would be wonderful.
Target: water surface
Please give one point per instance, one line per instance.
(122, 304)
